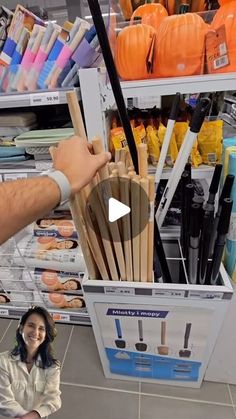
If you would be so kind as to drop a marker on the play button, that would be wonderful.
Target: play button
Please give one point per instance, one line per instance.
(116, 210)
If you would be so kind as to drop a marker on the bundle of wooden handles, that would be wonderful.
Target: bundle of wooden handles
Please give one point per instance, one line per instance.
(107, 255)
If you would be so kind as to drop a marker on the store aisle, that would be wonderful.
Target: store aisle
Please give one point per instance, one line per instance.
(86, 394)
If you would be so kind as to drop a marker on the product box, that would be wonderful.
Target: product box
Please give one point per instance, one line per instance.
(71, 302)
(157, 332)
(52, 280)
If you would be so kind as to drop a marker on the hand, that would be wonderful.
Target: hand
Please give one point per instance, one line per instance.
(73, 158)
(30, 415)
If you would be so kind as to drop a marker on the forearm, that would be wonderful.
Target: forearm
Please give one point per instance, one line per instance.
(23, 201)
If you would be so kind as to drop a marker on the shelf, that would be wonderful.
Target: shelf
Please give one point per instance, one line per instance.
(58, 316)
(37, 98)
(171, 85)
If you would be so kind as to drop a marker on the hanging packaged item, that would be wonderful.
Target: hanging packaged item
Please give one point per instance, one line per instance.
(153, 145)
(172, 152)
(226, 15)
(210, 141)
(180, 129)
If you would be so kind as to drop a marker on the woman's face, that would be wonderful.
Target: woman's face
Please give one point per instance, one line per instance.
(34, 332)
(66, 244)
(71, 284)
(76, 303)
(46, 223)
(2, 299)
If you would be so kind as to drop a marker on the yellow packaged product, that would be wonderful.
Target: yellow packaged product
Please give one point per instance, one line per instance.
(152, 145)
(180, 129)
(118, 138)
(140, 134)
(210, 141)
(172, 152)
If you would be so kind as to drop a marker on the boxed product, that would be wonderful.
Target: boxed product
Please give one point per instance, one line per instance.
(61, 228)
(51, 280)
(63, 301)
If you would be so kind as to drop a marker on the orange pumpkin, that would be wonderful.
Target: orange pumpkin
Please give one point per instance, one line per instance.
(132, 48)
(222, 2)
(226, 15)
(151, 14)
(180, 46)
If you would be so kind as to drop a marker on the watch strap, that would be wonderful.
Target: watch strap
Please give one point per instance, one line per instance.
(62, 182)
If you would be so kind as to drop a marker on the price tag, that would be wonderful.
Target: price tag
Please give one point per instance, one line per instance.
(48, 98)
(4, 312)
(206, 295)
(14, 176)
(168, 293)
(61, 317)
(119, 291)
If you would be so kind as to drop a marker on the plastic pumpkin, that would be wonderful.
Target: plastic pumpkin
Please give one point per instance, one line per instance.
(222, 2)
(151, 14)
(226, 15)
(180, 46)
(132, 47)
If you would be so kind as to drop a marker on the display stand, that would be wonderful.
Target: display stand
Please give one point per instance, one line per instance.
(157, 332)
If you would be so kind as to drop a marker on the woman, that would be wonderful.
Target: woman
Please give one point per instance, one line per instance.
(51, 243)
(29, 374)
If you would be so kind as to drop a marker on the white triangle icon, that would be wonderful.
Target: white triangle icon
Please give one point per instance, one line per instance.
(116, 209)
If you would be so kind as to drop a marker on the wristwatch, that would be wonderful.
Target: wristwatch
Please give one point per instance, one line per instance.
(62, 182)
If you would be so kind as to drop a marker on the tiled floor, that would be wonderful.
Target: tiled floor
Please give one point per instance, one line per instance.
(86, 394)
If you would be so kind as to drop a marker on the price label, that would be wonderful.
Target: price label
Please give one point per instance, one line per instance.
(14, 176)
(61, 317)
(119, 291)
(206, 295)
(168, 293)
(4, 312)
(48, 98)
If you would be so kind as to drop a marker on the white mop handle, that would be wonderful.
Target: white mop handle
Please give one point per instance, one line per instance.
(164, 150)
(198, 117)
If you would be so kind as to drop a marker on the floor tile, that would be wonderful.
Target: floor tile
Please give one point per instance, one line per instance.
(3, 326)
(78, 402)
(213, 392)
(61, 341)
(8, 340)
(233, 392)
(82, 364)
(163, 408)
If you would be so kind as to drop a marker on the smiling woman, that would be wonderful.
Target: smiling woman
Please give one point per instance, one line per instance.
(29, 374)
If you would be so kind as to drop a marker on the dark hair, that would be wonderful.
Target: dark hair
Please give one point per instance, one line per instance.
(6, 298)
(78, 284)
(74, 243)
(45, 350)
(38, 222)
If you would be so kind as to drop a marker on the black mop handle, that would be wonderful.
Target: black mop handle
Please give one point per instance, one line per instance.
(114, 80)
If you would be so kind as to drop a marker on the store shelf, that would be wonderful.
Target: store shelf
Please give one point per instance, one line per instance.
(58, 316)
(37, 98)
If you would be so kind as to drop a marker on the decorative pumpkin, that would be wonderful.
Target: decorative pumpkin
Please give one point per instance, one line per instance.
(151, 14)
(180, 46)
(132, 48)
(226, 15)
(222, 2)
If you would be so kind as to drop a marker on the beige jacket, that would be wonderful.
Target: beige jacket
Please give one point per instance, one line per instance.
(21, 391)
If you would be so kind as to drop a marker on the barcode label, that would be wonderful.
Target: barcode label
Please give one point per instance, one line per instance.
(223, 48)
(61, 317)
(14, 176)
(168, 293)
(211, 157)
(119, 291)
(221, 62)
(49, 98)
(206, 295)
(4, 312)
